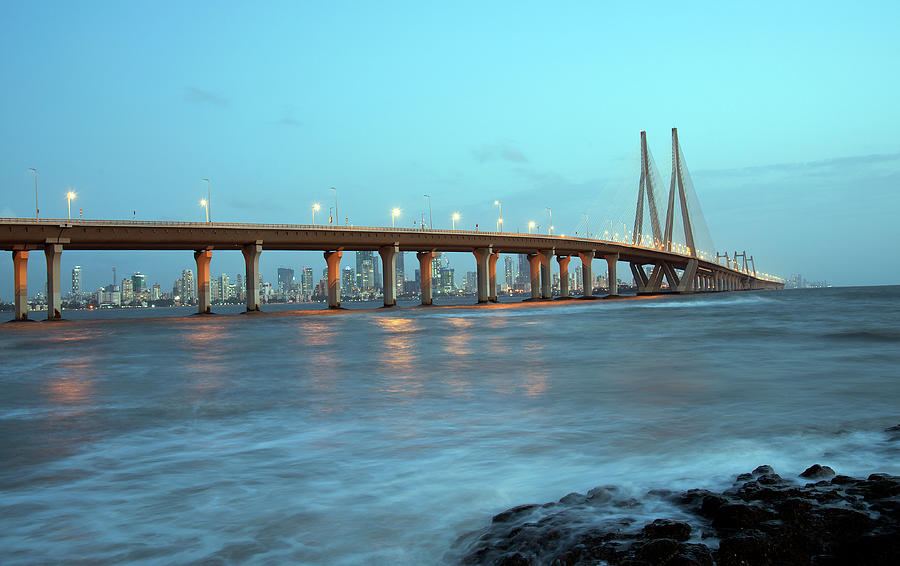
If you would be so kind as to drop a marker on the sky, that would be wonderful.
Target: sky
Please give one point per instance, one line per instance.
(787, 115)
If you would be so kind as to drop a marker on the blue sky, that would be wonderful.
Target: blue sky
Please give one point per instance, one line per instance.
(787, 115)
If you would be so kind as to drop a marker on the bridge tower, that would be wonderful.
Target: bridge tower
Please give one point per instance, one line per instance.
(645, 186)
(677, 186)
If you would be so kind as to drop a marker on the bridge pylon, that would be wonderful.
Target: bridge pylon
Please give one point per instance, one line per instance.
(677, 187)
(645, 187)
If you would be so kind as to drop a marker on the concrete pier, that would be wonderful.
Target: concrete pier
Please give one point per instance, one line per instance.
(389, 274)
(492, 277)
(425, 259)
(20, 283)
(203, 257)
(611, 277)
(481, 267)
(534, 263)
(251, 261)
(587, 273)
(546, 282)
(53, 253)
(333, 260)
(563, 261)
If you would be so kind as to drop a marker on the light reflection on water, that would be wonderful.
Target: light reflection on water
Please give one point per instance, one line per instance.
(381, 436)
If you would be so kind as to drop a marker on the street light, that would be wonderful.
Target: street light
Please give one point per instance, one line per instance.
(394, 214)
(315, 208)
(208, 200)
(205, 204)
(499, 215)
(69, 196)
(337, 217)
(550, 212)
(430, 219)
(33, 170)
(454, 218)
(531, 226)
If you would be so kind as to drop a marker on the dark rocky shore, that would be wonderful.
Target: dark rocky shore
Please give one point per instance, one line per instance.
(816, 519)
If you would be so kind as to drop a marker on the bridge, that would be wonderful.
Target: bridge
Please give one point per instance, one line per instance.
(661, 256)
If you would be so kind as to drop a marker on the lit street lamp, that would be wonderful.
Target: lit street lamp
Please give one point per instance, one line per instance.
(315, 208)
(531, 226)
(207, 199)
(205, 204)
(33, 170)
(550, 229)
(394, 214)
(453, 219)
(499, 215)
(69, 196)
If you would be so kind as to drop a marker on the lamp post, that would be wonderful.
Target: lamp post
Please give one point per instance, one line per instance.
(205, 204)
(499, 215)
(33, 170)
(69, 196)
(337, 216)
(531, 226)
(208, 214)
(394, 214)
(315, 208)
(550, 212)
(453, 219)
(430, 218)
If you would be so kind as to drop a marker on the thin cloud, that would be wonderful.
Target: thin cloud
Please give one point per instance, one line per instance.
(499, 152)
(196, 95)
(288, 122)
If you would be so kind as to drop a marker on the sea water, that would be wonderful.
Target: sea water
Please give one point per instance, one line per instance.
(391, 436)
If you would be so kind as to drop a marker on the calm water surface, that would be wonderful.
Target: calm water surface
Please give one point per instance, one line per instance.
(389, 436)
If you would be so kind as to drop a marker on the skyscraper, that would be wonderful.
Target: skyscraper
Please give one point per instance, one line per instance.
(285, 280)
(306, 283)
(188, 289)
(76, 280)
(509, 274)
(401, 276)
(365, 270)
(138, 283)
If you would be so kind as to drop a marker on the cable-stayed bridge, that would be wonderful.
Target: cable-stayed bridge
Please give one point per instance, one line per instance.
(673, 253)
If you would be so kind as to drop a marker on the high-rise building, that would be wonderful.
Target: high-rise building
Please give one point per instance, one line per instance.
(523, 279)
(401, 275)
(127, 292)
(188, 288)
(138, 283)
(446, 284)
(306, 283)
(509, 275)
(223, 287)
(365, 270)
(155, 292)
(347, 278)
(76, 280)
(285, 280)
(471, 284)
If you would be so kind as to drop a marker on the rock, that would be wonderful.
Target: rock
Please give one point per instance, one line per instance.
(763, 519)
(747, 548)
(667, 528)
(817, 472)
(895, 428)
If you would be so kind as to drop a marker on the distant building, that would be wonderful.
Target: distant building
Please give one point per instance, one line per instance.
(365, 270)
(509, 275)
(76, 280)
(138, 283)
(471, 284)
(285, 280)
(155, 292)
(127, 292)
(188, 288)
(306, 283)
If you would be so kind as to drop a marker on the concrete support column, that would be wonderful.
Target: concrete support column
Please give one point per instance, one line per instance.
(492, 277)
(611, 277)
(53, 253)
(333, 261)
(587, 273)
(534, 262)
(20, 283)
(203, 258)
(546, 282)
(563, 274)
(425, 259)
(389, 273)
(481, 267)
(251, 274)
